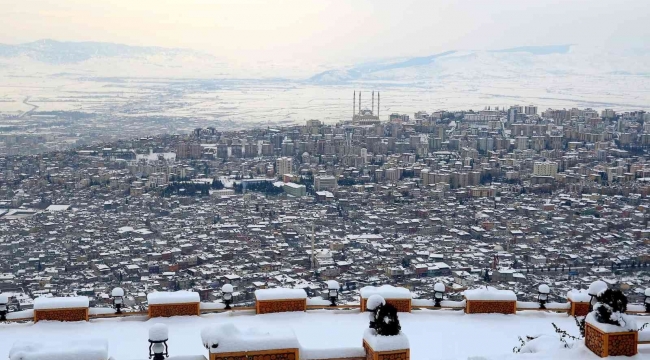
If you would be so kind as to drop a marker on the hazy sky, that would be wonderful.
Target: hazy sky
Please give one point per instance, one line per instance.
(329, 31)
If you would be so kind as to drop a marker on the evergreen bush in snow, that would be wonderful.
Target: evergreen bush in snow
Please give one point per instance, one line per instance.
(386, 321)
(611, 307)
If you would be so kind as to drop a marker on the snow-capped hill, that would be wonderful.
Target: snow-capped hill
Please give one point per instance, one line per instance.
(64, 52)
(514, 63)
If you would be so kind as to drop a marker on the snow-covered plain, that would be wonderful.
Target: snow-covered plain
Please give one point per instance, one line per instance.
(439, 335)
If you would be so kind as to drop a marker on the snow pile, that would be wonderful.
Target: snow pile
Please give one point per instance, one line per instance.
(228, 338)
(333, 285)
(118, 291)
(158, 332)
(386, 291)
(44, 303)
(490, 293)
(578, 295)
(374, 301)
(543, 344)
(439, 287)
(628, 321)
(280, 294)
(89, 349)
(597, 287)
(385, 343)
(544, 289)
(332, 353)
(178, 297)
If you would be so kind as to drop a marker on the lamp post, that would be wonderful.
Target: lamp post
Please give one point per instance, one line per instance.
(227, 289)
(333, 291)
(158, 336)
(646, 300)
(438, 293)
(542, 295)
(595, 289)
(4, 301)
(373, 304)
(118, 299)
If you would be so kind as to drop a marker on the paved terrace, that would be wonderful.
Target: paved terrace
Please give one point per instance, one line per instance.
(433, 334)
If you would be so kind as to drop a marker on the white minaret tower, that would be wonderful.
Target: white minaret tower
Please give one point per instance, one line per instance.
(373, 102)
(354, 104)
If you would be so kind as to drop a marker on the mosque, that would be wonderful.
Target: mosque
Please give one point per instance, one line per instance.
(365, 116)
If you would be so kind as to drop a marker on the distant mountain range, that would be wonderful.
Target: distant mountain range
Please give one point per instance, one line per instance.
(64, 52)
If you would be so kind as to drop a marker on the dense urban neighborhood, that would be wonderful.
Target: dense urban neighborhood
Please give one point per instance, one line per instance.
(511, 197)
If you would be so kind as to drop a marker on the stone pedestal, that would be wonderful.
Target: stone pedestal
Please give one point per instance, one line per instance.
(64, 314)
(276, 354)
(490, 307)
(283, 305)
(371, 354)
(610, 344)
(579, 308)
(402, 305)
(179, 309)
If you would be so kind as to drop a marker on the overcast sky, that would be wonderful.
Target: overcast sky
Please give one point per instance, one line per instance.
(329, 31)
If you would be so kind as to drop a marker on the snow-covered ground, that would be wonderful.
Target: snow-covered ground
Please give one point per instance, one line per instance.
(440, 335)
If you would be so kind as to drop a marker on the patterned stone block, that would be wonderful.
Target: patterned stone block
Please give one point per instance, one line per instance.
(402, 305)
(71, 314)
(167, 310)
(277, 354)
(490, 307)
(610, 344)
(275, 306)
(579, 308)
(402, 354)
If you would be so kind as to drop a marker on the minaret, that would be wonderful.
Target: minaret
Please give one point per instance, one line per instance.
(378, 104)
(354, 104)
(373, 102)
(359, 101)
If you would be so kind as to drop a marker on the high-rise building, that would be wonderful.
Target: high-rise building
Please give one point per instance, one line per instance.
(283, 165)
(546, 168)
(530, 110)
(324, 182)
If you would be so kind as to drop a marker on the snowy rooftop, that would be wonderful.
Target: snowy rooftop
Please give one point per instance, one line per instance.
(432, 334)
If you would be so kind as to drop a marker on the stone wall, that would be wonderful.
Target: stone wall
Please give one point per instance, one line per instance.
(610, 344)
(167, 310)
(402, 305)
(277, 354)
(491, 307)
(71, 314)
(274, 306)
(403, 354)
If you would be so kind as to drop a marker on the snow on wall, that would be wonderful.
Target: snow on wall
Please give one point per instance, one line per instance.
(44, 303)
(443, 303)
(212, 306)
(24, 314)
(280, 294)
(318, 302)
(336, 353)
(385, 343)
(578, 295)
(490, 293)
(228, 338)
(89, 349)
(177, 297)
(386, 291)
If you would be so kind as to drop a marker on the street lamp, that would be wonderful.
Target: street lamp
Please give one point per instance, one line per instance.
(595, 289)
(118, 299)
(646, 300)
(4, 301)
(226, 289)
(158, 335)
(542, 295)
(438, 293)
(333, 290)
